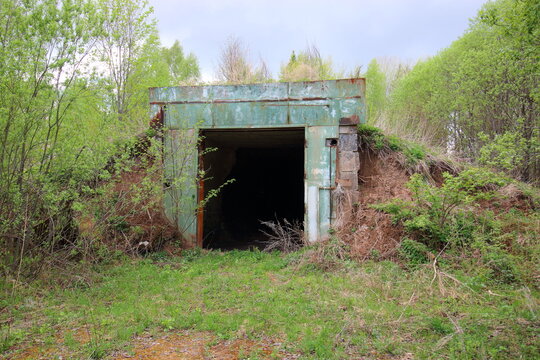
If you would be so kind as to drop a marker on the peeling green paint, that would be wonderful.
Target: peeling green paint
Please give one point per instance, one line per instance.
(319, 106)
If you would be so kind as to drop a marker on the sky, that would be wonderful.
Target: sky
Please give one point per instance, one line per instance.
(351, 32)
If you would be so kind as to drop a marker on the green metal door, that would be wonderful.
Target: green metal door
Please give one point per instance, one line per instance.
(321, 144)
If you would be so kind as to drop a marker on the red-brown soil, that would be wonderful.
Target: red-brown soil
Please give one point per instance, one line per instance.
(201, 346)
(367, 231)
(179, 345)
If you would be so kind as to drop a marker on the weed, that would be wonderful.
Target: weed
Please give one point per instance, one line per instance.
(441, 326)
(502, 266)
(414, 252)
(284, 235)
(190, 255)
(357, 312)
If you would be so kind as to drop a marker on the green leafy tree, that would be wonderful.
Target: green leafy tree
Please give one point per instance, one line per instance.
(61, 118)
(127, 30)
(483, 86)
(44, 50)
(375, 91)
(181, 68)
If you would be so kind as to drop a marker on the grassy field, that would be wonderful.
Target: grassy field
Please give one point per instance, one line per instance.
(372, 310)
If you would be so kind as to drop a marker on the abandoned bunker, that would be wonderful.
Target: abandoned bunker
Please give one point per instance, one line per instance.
(236, 155)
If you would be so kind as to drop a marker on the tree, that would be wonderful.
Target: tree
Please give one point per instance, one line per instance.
(44, 48)
(181, 68)
(59, 113)
(127, 27)
(482, 90)
(235, 67)
(375, 91)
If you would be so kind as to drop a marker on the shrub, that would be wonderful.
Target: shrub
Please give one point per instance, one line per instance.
(414, 252)
(375, 139)
(446, 215)
(502, 265)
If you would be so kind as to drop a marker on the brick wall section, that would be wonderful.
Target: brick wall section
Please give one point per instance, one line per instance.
(348, 160)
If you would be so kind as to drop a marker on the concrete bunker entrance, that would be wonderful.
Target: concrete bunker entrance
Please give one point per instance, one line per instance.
(267, 169)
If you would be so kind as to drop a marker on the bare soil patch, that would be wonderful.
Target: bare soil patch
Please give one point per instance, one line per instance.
(187, 345)
(178, 345)
(366, 230)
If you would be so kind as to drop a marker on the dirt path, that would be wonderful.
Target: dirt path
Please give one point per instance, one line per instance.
(202, 346)
(178, 345)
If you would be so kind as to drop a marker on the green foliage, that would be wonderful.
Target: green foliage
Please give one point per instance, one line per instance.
(374, 138)
(375, 91)
(450, 219)
(440, 213)
(501, 265)
(369, 132)
(49, 101)
(127, 44)
(508, 151)
(479, 97)
(181, 68)
(444, 216)
(374, 307)
(308, 65)
(414, 252)
(73, 93)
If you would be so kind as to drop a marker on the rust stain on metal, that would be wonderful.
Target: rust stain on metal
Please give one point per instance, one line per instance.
(157, 120)
(236, 101)
(351, 120)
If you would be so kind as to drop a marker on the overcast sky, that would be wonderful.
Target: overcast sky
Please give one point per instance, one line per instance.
(352, 32)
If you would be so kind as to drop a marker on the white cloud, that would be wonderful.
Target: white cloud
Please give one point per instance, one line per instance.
(351, 31)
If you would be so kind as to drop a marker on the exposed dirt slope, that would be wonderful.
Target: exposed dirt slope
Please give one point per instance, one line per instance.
(383, 177)
(367, 231)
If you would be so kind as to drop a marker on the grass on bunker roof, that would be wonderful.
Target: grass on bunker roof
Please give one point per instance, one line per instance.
(370, 310)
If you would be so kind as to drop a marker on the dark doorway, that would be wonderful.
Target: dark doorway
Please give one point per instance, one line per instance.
(268, 171)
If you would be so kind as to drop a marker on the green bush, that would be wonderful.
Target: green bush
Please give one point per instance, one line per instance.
(502, 265)
(446, 215)
(414, 252)
(374, 138)
(452, 217)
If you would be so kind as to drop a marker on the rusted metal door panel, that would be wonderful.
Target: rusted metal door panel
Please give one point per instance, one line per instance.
(320, 179)
(180, 172)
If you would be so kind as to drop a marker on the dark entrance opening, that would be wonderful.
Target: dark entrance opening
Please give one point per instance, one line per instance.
(268, 171)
